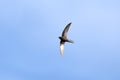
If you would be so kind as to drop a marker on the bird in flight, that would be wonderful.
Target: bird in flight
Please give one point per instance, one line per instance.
(64, 39)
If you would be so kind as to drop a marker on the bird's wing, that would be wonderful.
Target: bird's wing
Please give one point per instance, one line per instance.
(62, 48)
(64, 33)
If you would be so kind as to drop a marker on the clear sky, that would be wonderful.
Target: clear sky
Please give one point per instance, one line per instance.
(29, 44)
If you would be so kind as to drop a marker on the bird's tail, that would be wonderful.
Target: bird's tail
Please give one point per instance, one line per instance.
(71, 41)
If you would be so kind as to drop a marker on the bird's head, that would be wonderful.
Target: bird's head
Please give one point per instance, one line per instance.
(59, 37)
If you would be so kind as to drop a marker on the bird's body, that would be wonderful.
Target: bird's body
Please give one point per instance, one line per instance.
(64, 39)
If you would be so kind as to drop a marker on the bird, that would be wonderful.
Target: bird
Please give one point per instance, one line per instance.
(64, 38)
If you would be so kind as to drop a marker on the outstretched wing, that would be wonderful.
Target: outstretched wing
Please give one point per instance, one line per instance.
(64, 33)
(62, 48)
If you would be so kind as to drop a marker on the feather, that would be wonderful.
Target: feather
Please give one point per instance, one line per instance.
(64, 33)
(62, 49)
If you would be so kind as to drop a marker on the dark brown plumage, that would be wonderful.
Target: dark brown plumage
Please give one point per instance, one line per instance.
(64, 39)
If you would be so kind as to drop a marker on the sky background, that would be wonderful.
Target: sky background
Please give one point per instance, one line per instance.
(29, 44)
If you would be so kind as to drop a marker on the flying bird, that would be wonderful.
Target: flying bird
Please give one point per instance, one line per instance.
(64, 39)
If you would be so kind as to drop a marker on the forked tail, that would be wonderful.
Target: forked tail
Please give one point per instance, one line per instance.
(71, 41)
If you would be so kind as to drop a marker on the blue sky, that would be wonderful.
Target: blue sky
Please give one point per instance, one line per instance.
(29, 44)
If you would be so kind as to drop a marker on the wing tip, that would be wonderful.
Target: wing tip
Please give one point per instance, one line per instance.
(62, 55)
